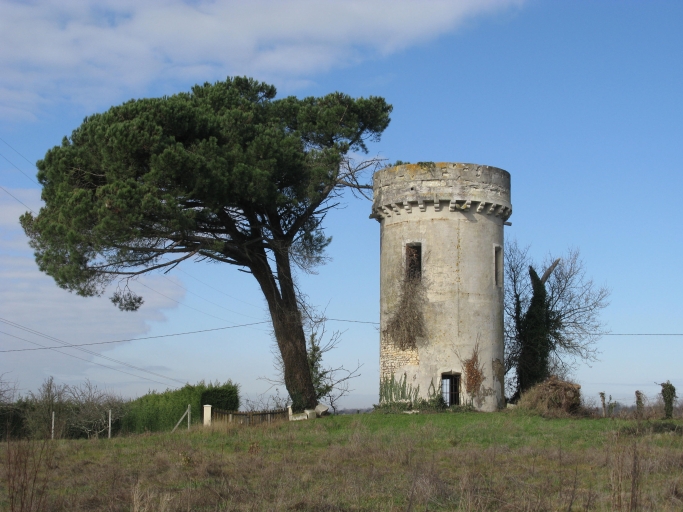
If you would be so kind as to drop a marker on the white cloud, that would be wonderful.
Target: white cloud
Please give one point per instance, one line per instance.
(94, 51)
(31, 299)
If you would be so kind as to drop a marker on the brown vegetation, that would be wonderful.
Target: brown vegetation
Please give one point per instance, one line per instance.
(407, 322)
(474, 372)
(553, 397)
(503, 462)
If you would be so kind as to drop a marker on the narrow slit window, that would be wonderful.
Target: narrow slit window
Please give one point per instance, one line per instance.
(414, 261)
(498, 263)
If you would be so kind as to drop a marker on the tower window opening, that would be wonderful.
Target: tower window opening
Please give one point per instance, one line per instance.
(414, 261)
(498, 266)
(450, 388)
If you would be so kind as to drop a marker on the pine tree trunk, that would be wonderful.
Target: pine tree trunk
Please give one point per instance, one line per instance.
(289, 331)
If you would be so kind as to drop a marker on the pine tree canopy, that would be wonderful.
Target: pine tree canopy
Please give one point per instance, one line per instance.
(223, 172)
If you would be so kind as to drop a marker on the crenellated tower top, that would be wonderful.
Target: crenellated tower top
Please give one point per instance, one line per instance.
(441, 186)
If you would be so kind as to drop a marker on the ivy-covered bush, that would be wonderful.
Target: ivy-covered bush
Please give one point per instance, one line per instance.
(669, 396)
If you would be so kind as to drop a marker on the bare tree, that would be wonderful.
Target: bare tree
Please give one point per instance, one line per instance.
(51, 397)
(90, 408)
(573, 298)
(7, 391)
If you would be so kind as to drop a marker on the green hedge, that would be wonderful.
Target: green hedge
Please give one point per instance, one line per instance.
(161, 411)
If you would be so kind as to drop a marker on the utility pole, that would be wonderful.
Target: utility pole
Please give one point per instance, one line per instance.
(53, 425)
(109, 423)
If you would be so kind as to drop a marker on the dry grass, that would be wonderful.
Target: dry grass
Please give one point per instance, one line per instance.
(553, 397)
(508, 461)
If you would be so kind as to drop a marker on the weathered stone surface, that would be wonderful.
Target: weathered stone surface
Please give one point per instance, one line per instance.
(321, 410)
(456, 213)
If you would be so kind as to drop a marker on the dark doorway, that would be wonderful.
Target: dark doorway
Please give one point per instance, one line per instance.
(450, 388)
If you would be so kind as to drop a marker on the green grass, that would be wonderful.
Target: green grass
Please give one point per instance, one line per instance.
(469, 461)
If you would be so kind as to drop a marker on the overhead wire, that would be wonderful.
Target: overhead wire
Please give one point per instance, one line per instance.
(218, 290)
(190, 307)
(17, 199)
(91, 362)
(18, 169)
(62, 342)
(129, 339)
(207, 300)
(642, 334)
(351, 321)
(22, 172)
(17, 152)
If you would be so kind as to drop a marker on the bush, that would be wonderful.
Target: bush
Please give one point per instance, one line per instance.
(552, 397)
(224, 397)
(161, 411)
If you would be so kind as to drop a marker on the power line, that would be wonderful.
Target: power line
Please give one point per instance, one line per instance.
(17, 168)
(91, 362)
(123, 363)
(207, 300)
(185, 305)
(643, 334)
(220, 291)
(129, 339)
(17, 152)
(351, 321)
(16, 199)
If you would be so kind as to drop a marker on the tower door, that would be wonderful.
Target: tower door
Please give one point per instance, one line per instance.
(450, 388)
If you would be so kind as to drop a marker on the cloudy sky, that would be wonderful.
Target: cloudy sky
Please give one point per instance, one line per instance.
(579, 101)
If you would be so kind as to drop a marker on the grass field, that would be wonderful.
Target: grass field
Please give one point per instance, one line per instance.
(469, 461)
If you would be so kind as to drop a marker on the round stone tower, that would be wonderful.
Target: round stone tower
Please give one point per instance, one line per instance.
(441, 279)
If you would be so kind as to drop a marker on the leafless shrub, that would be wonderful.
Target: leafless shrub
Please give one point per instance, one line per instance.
(265, 402)
(51, 397)
(27, 467)
(331, 383)
(8, 391)
(89, 409)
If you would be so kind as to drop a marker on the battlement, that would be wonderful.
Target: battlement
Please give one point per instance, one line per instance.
(443, 187)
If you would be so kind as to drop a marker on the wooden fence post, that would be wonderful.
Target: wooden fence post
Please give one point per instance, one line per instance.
(53, 424)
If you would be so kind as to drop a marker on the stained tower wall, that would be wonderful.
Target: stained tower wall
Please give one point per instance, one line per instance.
(455, 214)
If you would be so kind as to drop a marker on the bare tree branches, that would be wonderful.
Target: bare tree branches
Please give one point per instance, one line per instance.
(7, 391)
(331, 383)
(574, 299)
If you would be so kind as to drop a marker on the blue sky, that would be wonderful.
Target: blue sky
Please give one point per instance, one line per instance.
(579, 101)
